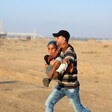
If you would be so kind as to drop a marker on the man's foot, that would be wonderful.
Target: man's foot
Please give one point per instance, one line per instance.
(46, 82)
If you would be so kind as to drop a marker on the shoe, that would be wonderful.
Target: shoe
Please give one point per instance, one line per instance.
(46, 82)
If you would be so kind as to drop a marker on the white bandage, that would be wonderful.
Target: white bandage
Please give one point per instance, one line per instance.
(62, 68)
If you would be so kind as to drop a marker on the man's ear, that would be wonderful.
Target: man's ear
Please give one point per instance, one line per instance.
(64, 40)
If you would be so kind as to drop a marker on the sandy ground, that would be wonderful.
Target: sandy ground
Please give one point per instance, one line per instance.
(22, 71)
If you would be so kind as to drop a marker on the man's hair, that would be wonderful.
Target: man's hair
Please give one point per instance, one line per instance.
(63, 33)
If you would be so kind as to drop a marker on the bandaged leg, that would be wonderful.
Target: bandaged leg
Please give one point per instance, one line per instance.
(62, 68)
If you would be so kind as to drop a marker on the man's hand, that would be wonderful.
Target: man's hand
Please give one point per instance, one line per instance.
(46, 82)
(63, 45)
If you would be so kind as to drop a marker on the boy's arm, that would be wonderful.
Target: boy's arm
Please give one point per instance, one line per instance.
(46, 59)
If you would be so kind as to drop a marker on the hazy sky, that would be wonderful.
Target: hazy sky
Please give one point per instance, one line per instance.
(82, 18)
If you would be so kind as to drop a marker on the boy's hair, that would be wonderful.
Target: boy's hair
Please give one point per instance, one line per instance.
(52, 42)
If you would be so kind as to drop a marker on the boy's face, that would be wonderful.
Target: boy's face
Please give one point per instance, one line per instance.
(51, 49)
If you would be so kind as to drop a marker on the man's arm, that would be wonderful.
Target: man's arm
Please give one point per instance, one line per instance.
(57, 52)
(70, 68)
(54, 55)
(67, 64)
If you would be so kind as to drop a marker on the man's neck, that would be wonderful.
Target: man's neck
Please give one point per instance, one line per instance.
(65, 48)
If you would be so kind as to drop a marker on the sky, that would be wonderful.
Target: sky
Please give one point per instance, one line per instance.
(81, 18)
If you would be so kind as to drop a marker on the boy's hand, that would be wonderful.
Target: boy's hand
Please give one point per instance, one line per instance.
(46, 82)
(52, 62)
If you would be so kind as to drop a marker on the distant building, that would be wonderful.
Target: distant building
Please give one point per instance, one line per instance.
(3, 35)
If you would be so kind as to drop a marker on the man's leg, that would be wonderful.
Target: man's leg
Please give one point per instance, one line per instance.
(53, 98)
(73, 96)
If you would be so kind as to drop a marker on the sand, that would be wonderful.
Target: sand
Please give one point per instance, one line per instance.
(22, 70)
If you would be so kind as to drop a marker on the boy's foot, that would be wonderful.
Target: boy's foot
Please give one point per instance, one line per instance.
(59, 76)
(46, 82)
(56, 75)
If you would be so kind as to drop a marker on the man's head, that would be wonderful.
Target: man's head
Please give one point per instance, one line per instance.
(62, 36)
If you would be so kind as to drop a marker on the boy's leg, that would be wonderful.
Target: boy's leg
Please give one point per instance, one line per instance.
(61, 70)
(65, 67)
(46, 81)
(62, 67)
(55, 67)
(48, 70)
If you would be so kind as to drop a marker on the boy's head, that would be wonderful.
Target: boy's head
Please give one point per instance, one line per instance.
(52, 47)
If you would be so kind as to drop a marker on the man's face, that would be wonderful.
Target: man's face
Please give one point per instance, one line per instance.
(60, 40)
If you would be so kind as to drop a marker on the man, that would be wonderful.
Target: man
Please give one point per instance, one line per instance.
(68, 84)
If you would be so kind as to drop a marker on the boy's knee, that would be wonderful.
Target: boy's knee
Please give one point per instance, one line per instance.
(58, 62)
(65, 61)
(59, 59)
